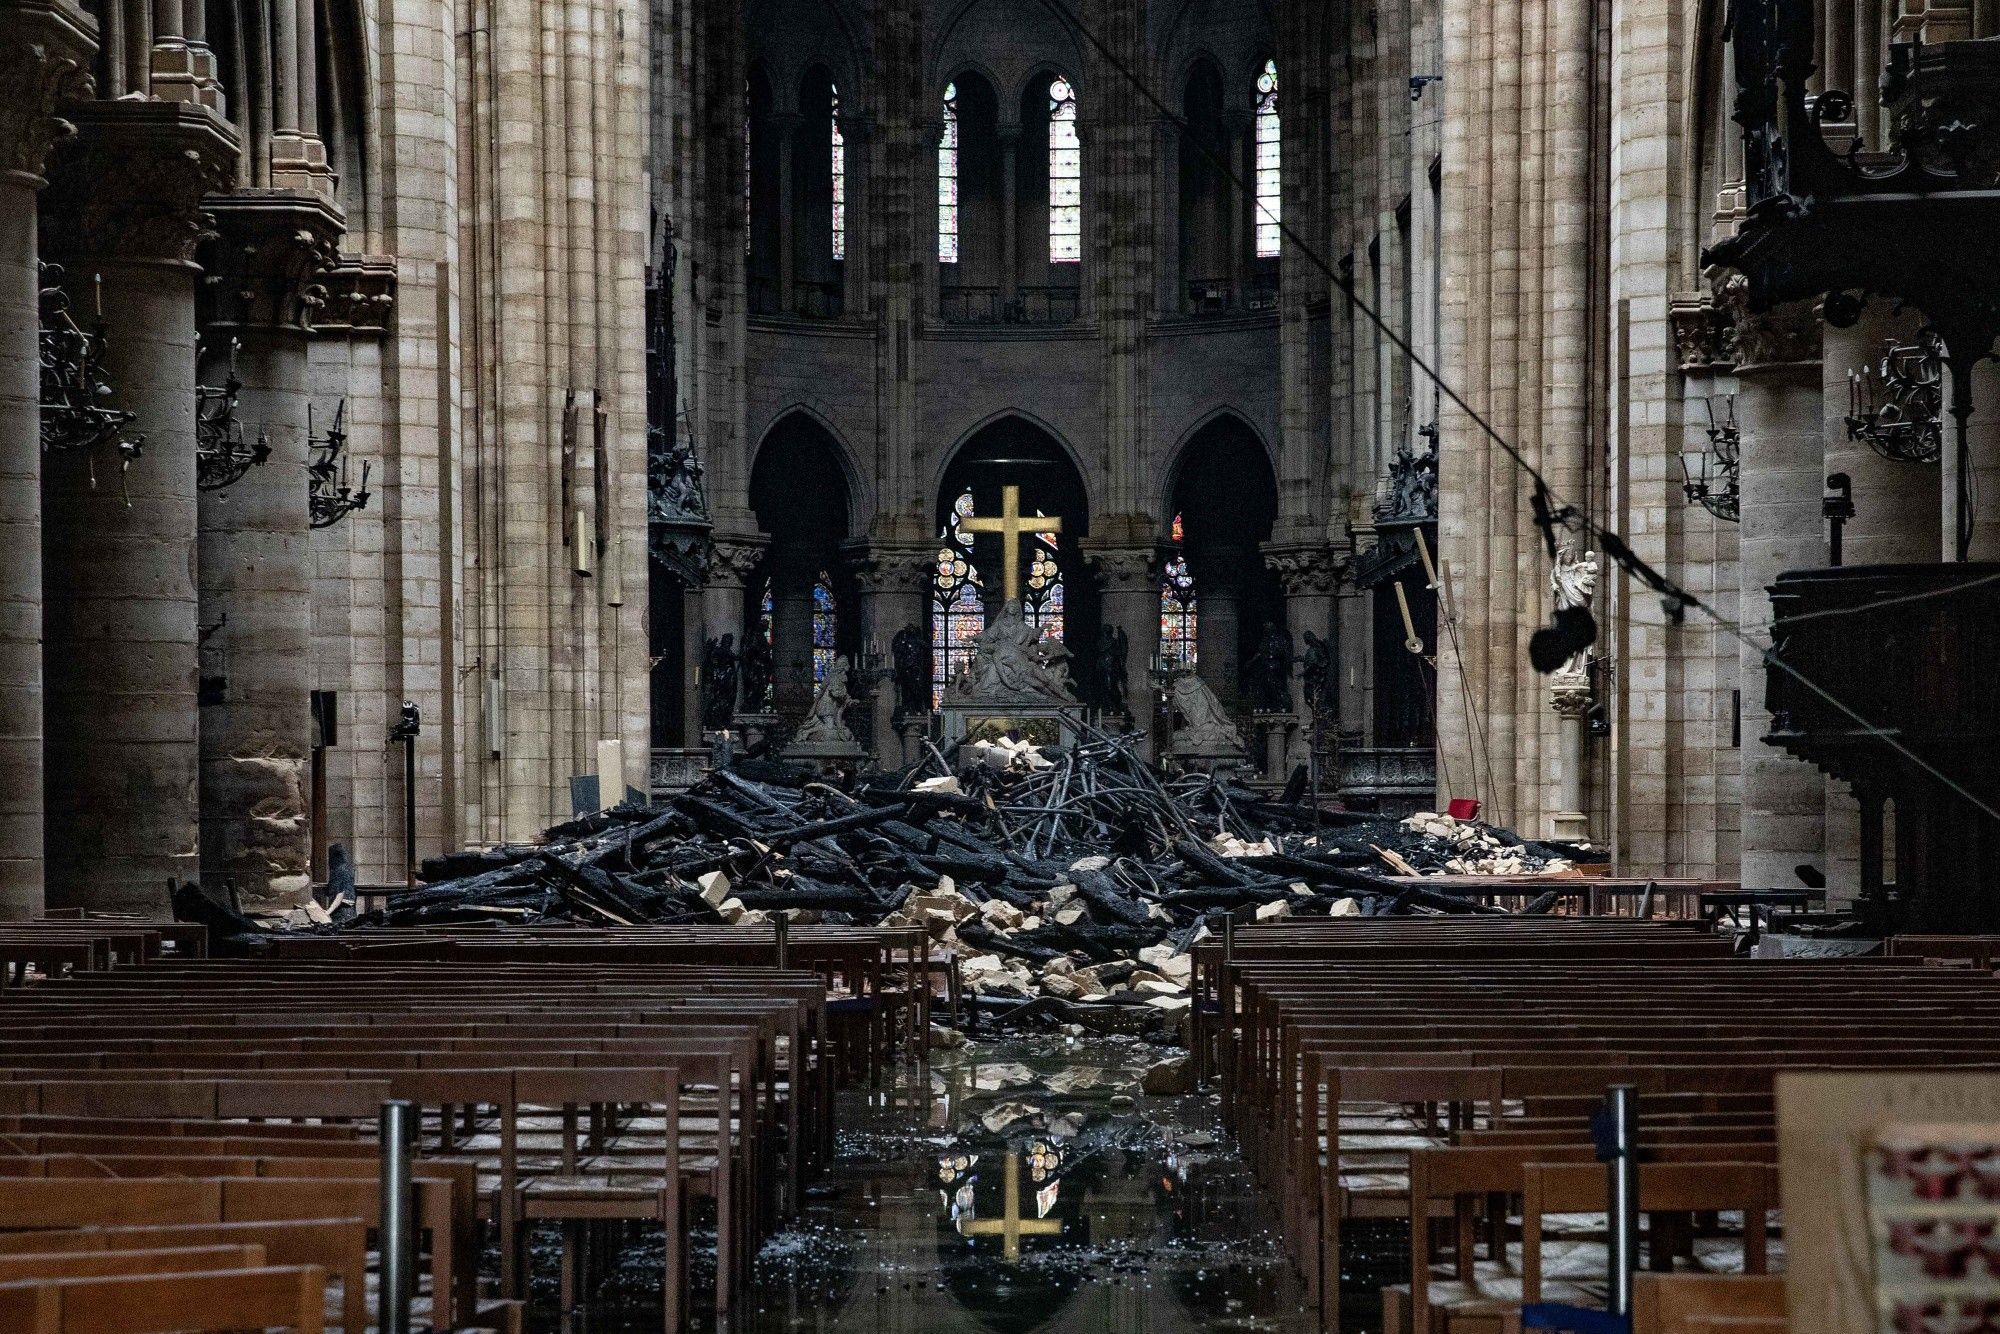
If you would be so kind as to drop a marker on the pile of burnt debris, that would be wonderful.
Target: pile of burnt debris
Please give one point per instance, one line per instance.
(1078, 876)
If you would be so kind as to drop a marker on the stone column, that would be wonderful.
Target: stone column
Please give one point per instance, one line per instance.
(895, 587)
(255, 566)
(1982, 445)
(732, 564)
(1898, 515)
(1130, 580)
(857, 132)
(124, 204)
(1240, 127)
(1897, 509)
(793, 571)
(1010, 222)
(785, 127)
(1310, 577)
(1569, 696)
(1219, 573)
(45, 53)
(1778, 408)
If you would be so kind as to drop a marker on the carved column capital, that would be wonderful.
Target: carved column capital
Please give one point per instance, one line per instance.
(883, 569)
(1783, 335)
(45, 54)
(133, 182)
(360, 297)
(1704, 336)
(1569, 693)
(1126, 569)
(734, 560)
(1306, 571)
(266, 257)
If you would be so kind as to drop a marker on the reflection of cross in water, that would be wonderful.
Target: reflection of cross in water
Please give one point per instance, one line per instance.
(1011, 525)
(1010, 1227)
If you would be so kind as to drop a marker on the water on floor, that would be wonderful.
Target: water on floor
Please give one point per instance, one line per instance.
(1127, 1212)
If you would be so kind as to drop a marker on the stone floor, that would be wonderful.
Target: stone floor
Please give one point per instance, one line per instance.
(1143, 1219)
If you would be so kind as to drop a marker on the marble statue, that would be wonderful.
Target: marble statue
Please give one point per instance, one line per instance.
(1013, 664)
(1205, 726)
(1573, 581)
(826, 725)
(718, 683)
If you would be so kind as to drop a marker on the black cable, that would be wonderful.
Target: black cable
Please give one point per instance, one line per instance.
(1550, 509)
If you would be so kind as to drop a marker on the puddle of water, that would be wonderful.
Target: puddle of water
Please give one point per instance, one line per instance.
(1129, 1212)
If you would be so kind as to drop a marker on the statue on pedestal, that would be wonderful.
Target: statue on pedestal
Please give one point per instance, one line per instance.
(756, 675)
(1573, 582)
(1316, 673)
(1271, 671)
(1112, 648)
(1205, 728)
(826, 725)
(1013, 664)
(911, 654)
(718, 683)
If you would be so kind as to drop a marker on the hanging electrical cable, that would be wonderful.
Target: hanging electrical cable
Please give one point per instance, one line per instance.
(1550, 510)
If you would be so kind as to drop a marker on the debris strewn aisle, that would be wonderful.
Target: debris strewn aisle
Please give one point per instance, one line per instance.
(1135, 1214)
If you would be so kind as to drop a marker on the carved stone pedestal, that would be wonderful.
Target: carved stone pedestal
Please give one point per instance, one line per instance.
(1570, 695)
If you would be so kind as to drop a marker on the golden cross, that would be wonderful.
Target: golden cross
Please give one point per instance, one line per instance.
(1011, 525)
(1010, 1227)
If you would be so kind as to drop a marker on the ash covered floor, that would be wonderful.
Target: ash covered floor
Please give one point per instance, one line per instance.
(1135, 1214)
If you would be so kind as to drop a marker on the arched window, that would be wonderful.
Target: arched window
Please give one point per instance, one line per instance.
(1270, 163)
(1177, 608)
(1065, 176)
(957, 613)
(823, 626)
(839, 182)
(948, 179)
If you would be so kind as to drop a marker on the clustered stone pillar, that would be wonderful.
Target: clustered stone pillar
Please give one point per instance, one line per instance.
(1310, 578)
(45, 51)
(732, 563)
(895, 585)
(124, 205)
(255, 558)
(1219, 575)
(1130, 580)
(1778, 408)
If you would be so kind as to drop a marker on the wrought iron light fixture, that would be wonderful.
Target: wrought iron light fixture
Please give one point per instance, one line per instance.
(329, 494)
(1711, 473)
(74, 416)
(1898, 406)
(221, 456)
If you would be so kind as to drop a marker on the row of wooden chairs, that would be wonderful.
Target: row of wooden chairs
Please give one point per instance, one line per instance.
(877, 978)
(595, 1097)
(1442, 1071)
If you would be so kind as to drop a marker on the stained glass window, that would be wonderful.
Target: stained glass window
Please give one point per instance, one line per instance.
(1044, 594)
(1177, 608)
(1065, 176)
(948, 179)
(823, 623)
(1270, 162)
(957, 613)
(839, 183)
